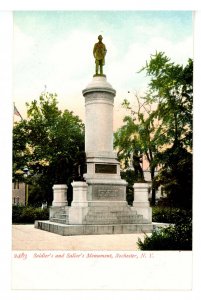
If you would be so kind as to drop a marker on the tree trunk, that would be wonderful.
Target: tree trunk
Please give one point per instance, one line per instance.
(153, 191)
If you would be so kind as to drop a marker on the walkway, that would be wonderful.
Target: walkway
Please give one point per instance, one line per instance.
(26, 237)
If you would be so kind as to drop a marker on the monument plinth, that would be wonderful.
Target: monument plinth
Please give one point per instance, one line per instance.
(105, 186)
(59, 195)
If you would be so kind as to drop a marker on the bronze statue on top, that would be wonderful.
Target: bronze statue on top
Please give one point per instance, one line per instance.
(99, 53)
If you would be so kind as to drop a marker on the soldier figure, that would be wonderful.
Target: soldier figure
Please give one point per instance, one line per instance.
(62, 170)
(137, 160)
(99, 53)
(79, 168)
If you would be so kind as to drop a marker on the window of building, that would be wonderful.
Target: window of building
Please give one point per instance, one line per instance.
(16, 185)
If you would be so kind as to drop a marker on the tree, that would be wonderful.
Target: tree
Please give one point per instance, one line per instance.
(40, 141)
(139, 136)
(161, 127)
(176, 176)
(171, 87)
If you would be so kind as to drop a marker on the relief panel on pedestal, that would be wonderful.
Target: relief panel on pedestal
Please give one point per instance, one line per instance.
(107, 193)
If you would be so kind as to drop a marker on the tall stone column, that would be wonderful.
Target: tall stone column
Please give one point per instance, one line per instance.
(99, 101)
(105, 185)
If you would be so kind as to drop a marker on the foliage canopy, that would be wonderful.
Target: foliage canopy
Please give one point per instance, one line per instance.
(40, 141)
(159, 125)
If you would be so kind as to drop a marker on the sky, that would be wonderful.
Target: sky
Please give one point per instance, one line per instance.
(53, 52)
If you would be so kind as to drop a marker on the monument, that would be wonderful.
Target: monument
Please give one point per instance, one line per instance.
(99, 201)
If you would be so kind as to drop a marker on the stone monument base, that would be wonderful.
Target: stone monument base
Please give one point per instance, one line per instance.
(70, 230)
(92, 213)
(104, 219)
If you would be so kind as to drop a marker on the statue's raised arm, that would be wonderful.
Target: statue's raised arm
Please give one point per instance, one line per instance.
(99, 53)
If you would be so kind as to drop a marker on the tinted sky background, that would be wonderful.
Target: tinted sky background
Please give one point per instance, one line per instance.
(54, 49)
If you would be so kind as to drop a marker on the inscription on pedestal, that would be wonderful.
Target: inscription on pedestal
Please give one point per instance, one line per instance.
(105, 192)
(106, 169)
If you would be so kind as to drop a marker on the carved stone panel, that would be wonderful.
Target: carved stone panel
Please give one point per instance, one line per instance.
(107, 193)
(106, 169)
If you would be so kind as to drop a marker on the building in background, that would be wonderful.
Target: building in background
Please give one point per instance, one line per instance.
(18, 193)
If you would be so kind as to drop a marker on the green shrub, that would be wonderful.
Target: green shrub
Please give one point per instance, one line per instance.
(28, 214)
(170, 214)
(173, 237)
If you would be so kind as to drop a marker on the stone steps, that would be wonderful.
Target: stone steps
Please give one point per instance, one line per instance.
(58, 220)
(123, 215)
(95, 209)
(60, 217)
(113, 220)
(112, 212)
(65, 230)
(115, 213)
(101, 215)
